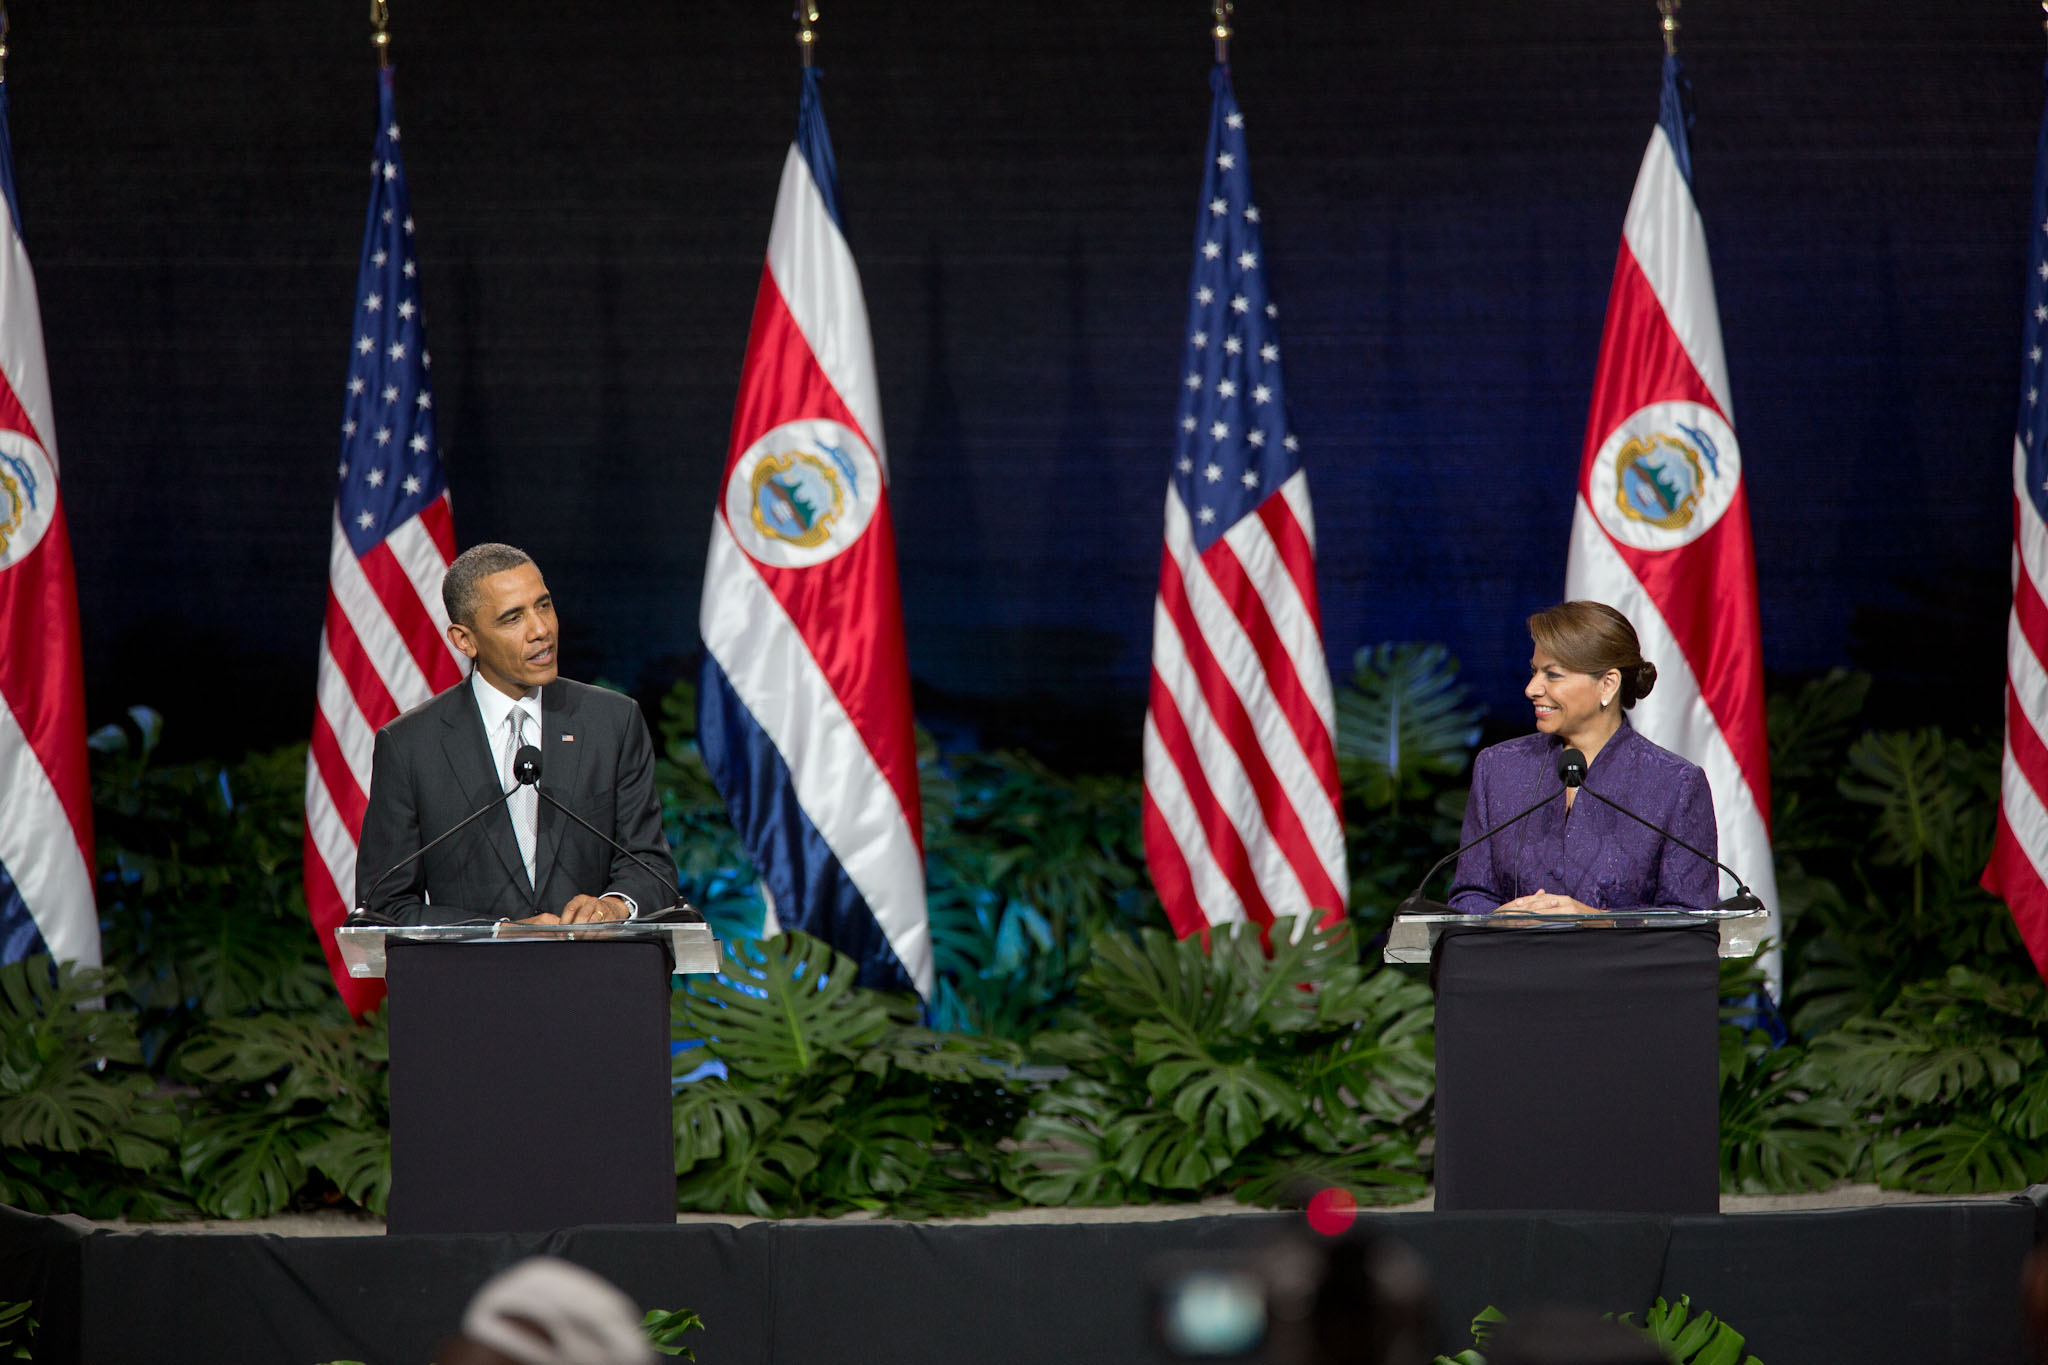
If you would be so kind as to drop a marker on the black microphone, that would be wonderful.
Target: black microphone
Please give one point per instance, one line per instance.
(1571, 769)
(681, 910)
(1415, 904)
(525, 772)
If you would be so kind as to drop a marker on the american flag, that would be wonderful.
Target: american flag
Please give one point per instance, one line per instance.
(384, 645)
(2018, 873)
(1242, 814)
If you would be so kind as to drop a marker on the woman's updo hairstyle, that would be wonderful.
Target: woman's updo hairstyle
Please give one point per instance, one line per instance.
(1592, 637)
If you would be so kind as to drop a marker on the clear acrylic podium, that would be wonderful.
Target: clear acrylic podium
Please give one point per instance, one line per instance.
(1577, 1057)
(529, 1070)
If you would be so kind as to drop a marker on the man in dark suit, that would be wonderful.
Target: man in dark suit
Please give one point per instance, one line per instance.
(439, 763)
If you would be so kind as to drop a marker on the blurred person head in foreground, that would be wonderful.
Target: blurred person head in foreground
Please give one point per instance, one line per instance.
(545, 1311)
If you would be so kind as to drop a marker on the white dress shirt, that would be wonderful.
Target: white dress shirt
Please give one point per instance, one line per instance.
(495, 708)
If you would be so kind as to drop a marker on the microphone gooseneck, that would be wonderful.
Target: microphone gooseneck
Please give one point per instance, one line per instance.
(1415, 901)
(1744, 899)
(526, 771)
(645, 866)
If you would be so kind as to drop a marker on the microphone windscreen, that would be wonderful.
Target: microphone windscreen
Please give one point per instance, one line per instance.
(1571, 767)
(526, 765)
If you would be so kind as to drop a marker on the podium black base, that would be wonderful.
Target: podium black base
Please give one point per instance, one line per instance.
(1578, 1068)
(529, 1086)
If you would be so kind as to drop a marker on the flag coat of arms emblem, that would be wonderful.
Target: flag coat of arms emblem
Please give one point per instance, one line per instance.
(1660, 531)
(803, 715)
(46, 852)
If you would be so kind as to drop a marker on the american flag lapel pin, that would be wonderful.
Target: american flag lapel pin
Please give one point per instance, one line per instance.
(568, 739)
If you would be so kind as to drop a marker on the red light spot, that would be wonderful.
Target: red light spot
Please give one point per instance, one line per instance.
(1330, 1211)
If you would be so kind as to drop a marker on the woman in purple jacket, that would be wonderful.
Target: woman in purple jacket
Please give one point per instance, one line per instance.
(1577, 854)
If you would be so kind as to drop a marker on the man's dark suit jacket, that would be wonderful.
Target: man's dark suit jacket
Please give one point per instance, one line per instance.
(433, 767)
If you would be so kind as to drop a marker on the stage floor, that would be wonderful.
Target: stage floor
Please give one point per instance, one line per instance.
(355, 1225)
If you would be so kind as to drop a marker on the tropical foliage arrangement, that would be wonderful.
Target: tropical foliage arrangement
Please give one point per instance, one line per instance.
(1074, 1053)
(1686, 1337)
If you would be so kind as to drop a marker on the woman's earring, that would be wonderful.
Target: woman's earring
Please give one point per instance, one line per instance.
(1604, 701)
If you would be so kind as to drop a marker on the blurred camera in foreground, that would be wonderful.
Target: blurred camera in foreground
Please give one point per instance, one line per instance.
(1350, 1300)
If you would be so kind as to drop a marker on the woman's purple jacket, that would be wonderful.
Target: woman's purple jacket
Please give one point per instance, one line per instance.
(1594, 854)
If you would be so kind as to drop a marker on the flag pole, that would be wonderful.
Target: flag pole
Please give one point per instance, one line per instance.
(807, 37)
(3, 39)
(1222, 10)
(380, 22)
(1669, 9)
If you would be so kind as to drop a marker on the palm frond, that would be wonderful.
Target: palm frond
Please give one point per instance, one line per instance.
(1403, 718)
(1971, 1154)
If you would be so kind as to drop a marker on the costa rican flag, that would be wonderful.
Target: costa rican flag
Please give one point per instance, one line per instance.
(46, 877)
(2018, 873)
(1242, 813)
(1661, 529)
(384, 646)
(804, 712)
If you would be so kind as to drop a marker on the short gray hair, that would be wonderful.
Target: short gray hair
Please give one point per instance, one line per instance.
(460, 590)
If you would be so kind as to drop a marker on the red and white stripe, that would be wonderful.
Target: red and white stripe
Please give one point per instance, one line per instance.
(384, 649)
(1243, 817)
(816, 655)
(2018, 871)
(45, 787)
(1694, 606)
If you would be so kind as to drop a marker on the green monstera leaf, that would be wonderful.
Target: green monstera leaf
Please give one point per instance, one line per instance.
(1228, 1101)
(1692, 1337)
(782, 1007)
(1383, 1170)
(287, 1098)
(712, 1115)
(323, 1064)
(664, 1330)
(69, 1074)
(1962, 1037)
(1933, 799)
(762, 1168)
(358, 1161)
(1158, 1148)
(1381, 1057)
(1777, 1136)
(1156, 978)
(1972, 1154)
(879, 1150)
(1403, 719)
(244, 1164)
(1063, 1154)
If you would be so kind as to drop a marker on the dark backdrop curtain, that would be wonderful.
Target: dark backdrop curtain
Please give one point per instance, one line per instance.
(1442, 187)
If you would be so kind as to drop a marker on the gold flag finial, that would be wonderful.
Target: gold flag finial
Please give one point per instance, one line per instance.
(1222, 9)
(1669, 9)
(806, 35)
(380, 31)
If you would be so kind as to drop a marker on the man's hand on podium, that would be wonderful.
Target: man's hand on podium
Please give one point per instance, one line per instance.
(585, 910)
